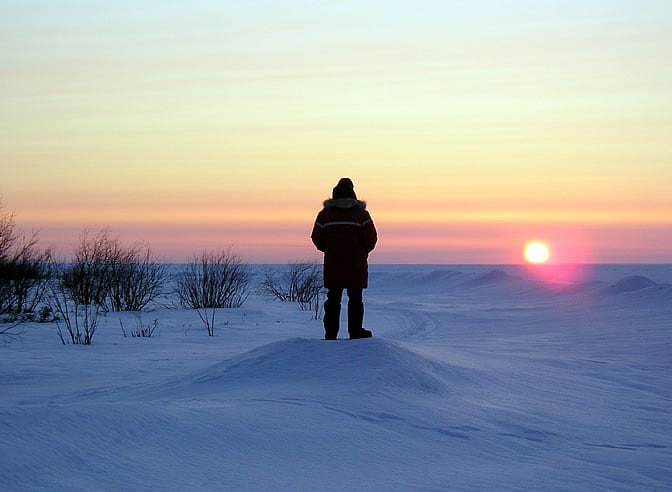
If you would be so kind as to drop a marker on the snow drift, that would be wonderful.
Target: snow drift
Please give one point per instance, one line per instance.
(353, 366)
(631, 284)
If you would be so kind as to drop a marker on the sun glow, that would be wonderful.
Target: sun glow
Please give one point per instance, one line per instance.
(537, 252)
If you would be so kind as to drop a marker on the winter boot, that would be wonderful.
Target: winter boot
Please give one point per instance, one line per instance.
(362, 333)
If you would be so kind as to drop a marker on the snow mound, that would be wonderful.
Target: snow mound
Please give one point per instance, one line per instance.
(371, 365)
(418, 280)
(439, 277)
(631, 284)
(493, 277)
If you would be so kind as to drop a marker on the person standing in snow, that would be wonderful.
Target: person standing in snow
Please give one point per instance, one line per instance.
(345, 233)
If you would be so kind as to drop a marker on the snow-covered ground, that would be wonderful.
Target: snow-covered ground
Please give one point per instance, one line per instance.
(477, 378)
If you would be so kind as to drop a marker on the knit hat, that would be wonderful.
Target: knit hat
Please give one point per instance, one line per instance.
(344, 189)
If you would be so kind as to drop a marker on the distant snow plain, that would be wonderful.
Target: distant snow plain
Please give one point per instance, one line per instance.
(477, 378)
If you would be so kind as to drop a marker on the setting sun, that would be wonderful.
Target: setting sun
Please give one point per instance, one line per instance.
(537, 252)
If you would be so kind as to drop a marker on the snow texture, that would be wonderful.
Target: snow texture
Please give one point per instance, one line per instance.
(477, 378)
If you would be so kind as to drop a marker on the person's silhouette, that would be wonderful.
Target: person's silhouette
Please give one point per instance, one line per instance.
(345, 233)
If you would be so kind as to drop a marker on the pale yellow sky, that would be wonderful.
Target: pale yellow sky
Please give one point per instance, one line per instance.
(207, 124)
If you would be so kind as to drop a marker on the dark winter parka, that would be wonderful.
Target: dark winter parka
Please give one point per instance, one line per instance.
(346, 235)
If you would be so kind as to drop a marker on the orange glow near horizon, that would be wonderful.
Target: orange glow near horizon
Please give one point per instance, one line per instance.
(265, 241)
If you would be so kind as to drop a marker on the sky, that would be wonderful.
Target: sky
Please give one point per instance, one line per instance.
(469, 127)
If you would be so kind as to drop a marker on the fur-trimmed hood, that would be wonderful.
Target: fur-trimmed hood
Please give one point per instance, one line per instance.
(344, 203)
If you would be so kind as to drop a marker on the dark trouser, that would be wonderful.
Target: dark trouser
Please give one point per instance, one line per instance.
(332, 311)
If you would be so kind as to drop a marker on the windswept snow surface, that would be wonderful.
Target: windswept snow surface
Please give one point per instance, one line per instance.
(477, 378)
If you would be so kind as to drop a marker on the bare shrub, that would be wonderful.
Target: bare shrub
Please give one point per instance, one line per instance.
(7, 232)
(136, 278)
(80, 290)
(80, 318)
(141, 330)
(103, 275)
(301, 282)
(88, 279)
(23, 279)
(213, 280)
(11, 332)
(114, 276)
(24, 271)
